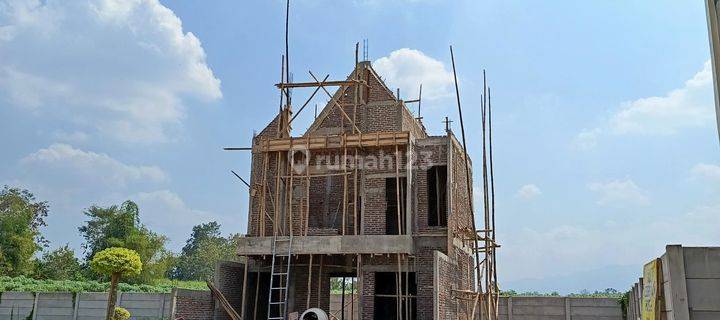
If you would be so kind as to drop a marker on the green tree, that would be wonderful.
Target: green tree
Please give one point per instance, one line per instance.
(202, 251)
(116, 262)
(59, 264)
(119, 226)
(204, 231)
(21, 217)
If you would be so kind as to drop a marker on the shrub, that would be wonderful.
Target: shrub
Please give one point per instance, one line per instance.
(121, 314)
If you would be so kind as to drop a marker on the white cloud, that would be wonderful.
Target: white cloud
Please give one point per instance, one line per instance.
(166, 212)
(569, 249)
(686, 107)
(528, 192)
(408, 68)
(86, 166)
(707, 171)
(121, 68)
(587, 139)
(74, 136)
(619, 193)
(690, 106)
(72, 179)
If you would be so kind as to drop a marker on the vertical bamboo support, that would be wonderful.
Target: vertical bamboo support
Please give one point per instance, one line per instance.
(399, 226)
(309, 283)
(355, 193)
(289, 191)
(276, 214)
(244, 288)
(397, 188)
(307, 188)
(407, 287)
(263, 204)
(359, 284)
(319, 280)
(398, 285)
(345, 183)
(257, 293)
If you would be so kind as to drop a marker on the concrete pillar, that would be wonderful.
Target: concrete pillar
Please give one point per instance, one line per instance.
(678, 285)
(76, 305)
(35, 306)
(510, 308)
(173, 303)
(568, 314)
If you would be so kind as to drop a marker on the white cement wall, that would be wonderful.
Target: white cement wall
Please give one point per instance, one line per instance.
(81, 306)
(559, 308)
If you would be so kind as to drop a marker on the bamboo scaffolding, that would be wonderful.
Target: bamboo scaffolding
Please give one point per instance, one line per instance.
(263, 204)
(257, 294)
(309, 283)
(336, 104)
(399, 226)
(345, 190)
(336, 83)
(364, 140)
(244, 287)
(320, 277)
(467, 173)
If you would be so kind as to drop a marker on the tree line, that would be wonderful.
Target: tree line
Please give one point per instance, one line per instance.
(25, 252)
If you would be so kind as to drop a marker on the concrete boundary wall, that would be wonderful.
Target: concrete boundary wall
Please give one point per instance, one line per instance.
(81, 306)
(691, 285)
(559, 308)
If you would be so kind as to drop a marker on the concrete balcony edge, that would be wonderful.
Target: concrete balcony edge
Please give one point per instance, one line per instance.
(349, 244)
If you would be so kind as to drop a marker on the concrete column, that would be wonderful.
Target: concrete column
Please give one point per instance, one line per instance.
(161, 312)
(678, 284)
(35, 306)
(76, 305)
(173, 302)
(510, 308)
(568, 314)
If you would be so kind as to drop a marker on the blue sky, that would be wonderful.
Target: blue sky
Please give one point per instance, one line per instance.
(606, 148)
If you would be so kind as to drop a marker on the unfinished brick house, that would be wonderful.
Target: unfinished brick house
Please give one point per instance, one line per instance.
(364, 193)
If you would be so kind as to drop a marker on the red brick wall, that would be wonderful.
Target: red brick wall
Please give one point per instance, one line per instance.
(229, 277)
(194, 305)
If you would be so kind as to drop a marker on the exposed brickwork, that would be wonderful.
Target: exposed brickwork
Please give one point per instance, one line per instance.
(229, 280)
(194, 305)
(379, 112)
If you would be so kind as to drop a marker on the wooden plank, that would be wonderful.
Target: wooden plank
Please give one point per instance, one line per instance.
(333, 83)
(223, 302)
(377, 139)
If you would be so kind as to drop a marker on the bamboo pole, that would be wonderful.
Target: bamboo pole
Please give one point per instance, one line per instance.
(467, 171)
(355, 194)
(309, 283)
(244, 288)
(262, 213)
(360, 284)
(276, 214)
(319, 281)
(496, 289)
(486, 211)
(399, 226)
(336, 104)
(357, 87)
(289, 191)
(345, 183)
(307, 188)
(257, 293)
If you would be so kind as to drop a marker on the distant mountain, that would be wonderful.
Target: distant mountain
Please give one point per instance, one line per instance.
(616, 277)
